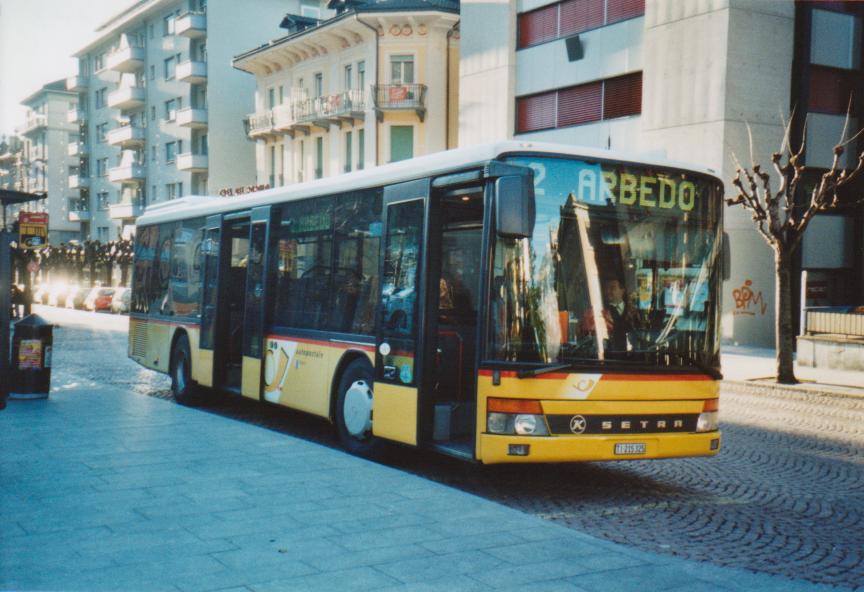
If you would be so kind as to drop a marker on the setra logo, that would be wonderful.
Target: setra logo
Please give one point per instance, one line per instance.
(578, 424)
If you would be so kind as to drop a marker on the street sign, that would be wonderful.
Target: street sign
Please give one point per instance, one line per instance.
(33, 228)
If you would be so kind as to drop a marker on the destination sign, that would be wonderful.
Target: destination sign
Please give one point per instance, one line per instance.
(609, 184)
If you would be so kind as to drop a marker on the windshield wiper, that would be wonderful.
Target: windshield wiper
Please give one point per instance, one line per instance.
(529, 372)
(695, 362)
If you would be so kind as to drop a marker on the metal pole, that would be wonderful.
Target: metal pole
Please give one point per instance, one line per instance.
(5, 289)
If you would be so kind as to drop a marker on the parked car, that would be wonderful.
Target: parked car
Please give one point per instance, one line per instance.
(99, 299)
(57, 296)
(75, 297)
(122, 300)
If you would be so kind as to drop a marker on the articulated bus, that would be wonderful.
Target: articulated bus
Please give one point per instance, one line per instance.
(515, 302)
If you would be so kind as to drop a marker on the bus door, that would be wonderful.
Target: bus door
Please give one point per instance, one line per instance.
(400, 321)
(455, 258)
(211, 248)
(256, 296)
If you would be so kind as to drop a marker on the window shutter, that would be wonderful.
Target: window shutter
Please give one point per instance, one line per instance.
(538, 26)
(580, 15)
(580, 104)
(623, 96)
(618, 10)
(830, 89)
(536, 112)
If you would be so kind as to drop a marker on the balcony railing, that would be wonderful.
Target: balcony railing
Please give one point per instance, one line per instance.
(126, 209)
(79, 181)
(283, 117)
(192, 117)
(76, 115)
(191, 24)
(193, 163)
(127, 99)
(128, 173)
(844, 321)
(126, 59)
(192, 72)
(400, 97)
(259, 124)
(79, 211)
(76, 83)
(127, 136)
(76, 149)
(34, 122)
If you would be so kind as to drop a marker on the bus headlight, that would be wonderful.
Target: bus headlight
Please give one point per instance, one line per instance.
(708, 422)
(515, 417)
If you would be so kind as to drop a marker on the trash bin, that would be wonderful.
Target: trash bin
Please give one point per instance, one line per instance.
(32, 342)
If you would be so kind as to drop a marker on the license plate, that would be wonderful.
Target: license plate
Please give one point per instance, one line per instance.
(630, 448)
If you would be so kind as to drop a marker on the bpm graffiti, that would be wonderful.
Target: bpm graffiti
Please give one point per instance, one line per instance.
(748, 302)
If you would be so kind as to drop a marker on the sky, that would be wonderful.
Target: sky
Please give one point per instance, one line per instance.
(37, 40)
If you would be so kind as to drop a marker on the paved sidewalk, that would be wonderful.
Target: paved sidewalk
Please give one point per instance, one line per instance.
(107, 490)
(755, 367)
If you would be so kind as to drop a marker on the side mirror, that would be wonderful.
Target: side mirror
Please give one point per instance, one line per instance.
(515, 210)
(726, 258)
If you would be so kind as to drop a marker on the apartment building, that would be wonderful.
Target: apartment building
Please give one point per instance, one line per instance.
(683, 80)
(353, 86)
(159, 105)
(44, 162)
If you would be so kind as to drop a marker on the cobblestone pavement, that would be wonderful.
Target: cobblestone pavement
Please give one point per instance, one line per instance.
(785, 496)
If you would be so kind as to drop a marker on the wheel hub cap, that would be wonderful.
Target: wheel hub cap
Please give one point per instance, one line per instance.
(357, 410)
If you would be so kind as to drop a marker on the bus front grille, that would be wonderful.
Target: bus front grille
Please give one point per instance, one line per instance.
(139, 339)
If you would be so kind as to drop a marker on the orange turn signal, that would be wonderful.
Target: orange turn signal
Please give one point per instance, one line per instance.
(514, 406)
(711, 405)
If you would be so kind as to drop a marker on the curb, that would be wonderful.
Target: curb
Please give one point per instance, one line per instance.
(802, 390)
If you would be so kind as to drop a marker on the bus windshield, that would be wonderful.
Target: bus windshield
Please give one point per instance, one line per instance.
(622, 269)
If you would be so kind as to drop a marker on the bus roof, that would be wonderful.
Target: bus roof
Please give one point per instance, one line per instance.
(406, 170)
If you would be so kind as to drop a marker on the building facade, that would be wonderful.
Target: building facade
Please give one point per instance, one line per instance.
(159, 106)
(683, 80)
(45, 163)
(356, 85)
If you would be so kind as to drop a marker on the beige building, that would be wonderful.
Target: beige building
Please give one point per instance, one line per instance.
(159, 106)
(45, 163)
(682, 80)
(357, 85)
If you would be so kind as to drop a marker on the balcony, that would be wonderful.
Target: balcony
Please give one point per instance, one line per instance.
(127, 99)
(76, 149)
(192, 117)
(127, 136)
(126, 210)
(34, 122)
(126, 59)
(192, 72)
(79, 182)
(400, 97)
(259, 125)
(76, 115)
(283, 118)
(191, 24)
(128, 173)
(76, 83)
(192, 163)
(79, 212)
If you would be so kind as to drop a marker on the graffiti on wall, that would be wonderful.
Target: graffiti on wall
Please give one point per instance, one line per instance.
(747, 301)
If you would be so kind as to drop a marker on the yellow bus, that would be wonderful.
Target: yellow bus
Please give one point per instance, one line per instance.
(513, 302)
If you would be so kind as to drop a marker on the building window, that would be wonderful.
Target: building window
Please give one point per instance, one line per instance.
(102, 133)
(836, 40)
(102, 233)
(170, 65)
(171, 106)
(401, 142)
(101, 167)
(272, 166)
(402, 69)
(271, 98)
(319, 157)
(174, 190)
(152, 72)
(349, 78)
(361, 149)
(349, 138)
(168, 24)
(319, 84)
(584, 103)
(361, 75)
(103, 200)
(101, 95)
(170, 152)
(99, 62)
(570, 17)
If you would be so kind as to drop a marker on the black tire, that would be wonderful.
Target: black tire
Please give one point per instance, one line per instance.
(358, 374)
(186, 392)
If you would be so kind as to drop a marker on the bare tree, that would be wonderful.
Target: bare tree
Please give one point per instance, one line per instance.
(782, 222)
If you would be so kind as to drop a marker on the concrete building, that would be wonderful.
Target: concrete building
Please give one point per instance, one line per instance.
(353, 86)
(682, 80)
(160, 107)
(44, 162)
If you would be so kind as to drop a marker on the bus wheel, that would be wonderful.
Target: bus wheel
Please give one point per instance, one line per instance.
(354, 410)
(186, 392)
